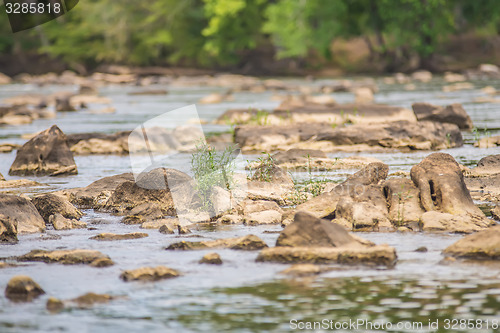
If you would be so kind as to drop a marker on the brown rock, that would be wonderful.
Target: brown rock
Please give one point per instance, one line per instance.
(309, 231)
(90, 299)
(452, 114)
(54, 305)
(149, 274)
(112, 237)
(443, 190)
(249, 243)
(21, 212)
(495, 212)
(61, 223)
(403, 199)
(65, 257)
(263, 217)
(8, 230)
(46, 154)
(380, 255)
(301, 270)
(22, 288)
(165, 229)
(50, 204)
(481, 245)
(211, 258)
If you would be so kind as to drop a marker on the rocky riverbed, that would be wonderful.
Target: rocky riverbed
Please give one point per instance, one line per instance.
(374, 198)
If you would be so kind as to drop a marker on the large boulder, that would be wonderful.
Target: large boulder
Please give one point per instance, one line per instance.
(47, 153)
(452, 114)
(481, 245)
(8, 230)
(21, 212)
(307, 230)
(442, 189)
(50, 204)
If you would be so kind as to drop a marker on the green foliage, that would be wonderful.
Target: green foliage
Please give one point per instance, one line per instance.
(221, 32)
(265, 169)
(212, 168)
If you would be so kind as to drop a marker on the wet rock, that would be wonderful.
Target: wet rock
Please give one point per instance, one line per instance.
(421, 249)
(481, 245)
(61, 223)
(182, 230)
(21, 212)
(8, 230)
(379, 255)
(263, 217)
(54, 305)
(45, 154)
(403, 199)
(495, 212)
(165, 229)
(301, 270)
(444, 195)
(149, 274)
(112, 237)
(157, 224)
(65, 257)
(250, 206)
(99, 143)
(424, 135)
(249, 243)
(97, 193)
(22, 288)
(453, 114)
(50, 204)
(307, 230)
(156, 186)
(147, 211)
(90, 299)
(148, 92)
(17, 183)
(211, 258)
(8, 147)
(102, 262)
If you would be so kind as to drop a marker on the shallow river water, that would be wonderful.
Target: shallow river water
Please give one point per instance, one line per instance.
(242, 295)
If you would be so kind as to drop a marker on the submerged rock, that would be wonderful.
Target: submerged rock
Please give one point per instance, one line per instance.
(248, 242)
(211, 258)
(54, 305)
(481, 245)
(50, 204)
(90, 299)
(301, 270)
(452, 114)
(149, 274)
(22, 288)
(22, 213)
(66, 257)
(47, 153)
(111, 237)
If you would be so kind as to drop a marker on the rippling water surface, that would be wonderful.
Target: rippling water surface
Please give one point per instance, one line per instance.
(241, 295)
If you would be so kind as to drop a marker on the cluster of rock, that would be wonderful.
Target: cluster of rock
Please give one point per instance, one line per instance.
(349, 127)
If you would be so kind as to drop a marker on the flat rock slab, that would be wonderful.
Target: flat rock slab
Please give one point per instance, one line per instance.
(149, 274)
(482, 245)
(68, 257)
(378, 255)
(249, 243)
(112, 237)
